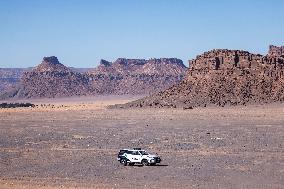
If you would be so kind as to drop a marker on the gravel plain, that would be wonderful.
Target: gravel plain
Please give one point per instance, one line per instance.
(74, 145)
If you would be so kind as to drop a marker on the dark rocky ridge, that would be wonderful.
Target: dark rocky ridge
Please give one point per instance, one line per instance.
(225, 77)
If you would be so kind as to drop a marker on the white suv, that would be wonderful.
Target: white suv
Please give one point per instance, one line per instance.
(137, 156)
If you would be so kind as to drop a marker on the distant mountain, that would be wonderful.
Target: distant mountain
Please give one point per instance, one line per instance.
(52, 79)
(10, 77)
(225, 77)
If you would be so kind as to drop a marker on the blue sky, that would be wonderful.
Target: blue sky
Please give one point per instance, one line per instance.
(81, 32)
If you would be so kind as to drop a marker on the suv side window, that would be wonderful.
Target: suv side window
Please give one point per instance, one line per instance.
(136, 153)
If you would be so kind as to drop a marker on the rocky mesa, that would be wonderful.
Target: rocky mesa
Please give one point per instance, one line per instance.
(137, 76)
(52, 79)
(224, 77)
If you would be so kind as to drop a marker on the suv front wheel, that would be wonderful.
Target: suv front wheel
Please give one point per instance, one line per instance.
(123, 162)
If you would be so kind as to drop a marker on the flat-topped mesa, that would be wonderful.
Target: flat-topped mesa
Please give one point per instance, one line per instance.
(135, 62)
(220, 59)
(154, 66)
(51, 64)
(276, 51)
(237, 61)
(137, 76)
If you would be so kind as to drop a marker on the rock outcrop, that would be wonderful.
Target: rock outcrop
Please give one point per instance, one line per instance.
(225, 77)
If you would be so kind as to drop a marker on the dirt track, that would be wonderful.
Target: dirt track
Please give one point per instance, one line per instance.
(75, 146)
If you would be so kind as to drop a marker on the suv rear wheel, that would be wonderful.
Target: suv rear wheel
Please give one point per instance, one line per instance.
(144, 162)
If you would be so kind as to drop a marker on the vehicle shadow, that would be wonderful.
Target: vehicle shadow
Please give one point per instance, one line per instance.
(157, 165)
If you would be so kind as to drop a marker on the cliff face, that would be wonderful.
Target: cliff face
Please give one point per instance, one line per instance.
(276, 51)
(224, 77)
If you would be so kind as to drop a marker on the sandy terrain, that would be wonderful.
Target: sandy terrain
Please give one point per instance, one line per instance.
(73, 143)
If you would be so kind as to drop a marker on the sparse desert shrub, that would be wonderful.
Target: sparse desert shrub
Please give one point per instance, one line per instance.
(16, 105)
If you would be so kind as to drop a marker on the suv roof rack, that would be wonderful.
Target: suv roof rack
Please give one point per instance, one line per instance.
(136, 148)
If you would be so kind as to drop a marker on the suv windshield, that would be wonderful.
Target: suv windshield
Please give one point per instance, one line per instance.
(121, 152)
(143, 153)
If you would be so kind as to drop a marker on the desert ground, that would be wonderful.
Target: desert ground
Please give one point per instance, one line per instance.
(73, 143)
